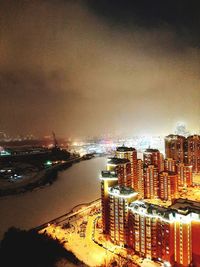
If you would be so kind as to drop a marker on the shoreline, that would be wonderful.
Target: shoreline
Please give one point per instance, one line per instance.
(73, 212)
(43, 178)
(32, 209)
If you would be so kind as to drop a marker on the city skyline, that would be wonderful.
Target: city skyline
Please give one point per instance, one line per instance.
(100, 133)
(155, 212)
(84, 67)
(179, 128)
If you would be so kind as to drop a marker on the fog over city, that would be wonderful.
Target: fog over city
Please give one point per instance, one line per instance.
(81, 68)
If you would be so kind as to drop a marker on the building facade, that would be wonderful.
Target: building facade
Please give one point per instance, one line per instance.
(168, 186)
(108, 179)
(193, 152)
(185, 175)
(170, 165)
(140, 177)
(151, 182)
(122, 167)
(153, 157)
(129, 153)
(169, 234)
(119, 198)
(175, 147)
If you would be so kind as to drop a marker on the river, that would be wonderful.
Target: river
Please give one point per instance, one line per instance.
(78, 184)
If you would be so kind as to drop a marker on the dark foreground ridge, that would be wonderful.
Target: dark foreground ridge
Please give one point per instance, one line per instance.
(31, 249)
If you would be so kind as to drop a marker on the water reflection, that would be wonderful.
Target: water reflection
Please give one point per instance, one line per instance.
(75, 185)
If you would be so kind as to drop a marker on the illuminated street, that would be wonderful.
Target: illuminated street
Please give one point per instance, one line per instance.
(83, 247)
(94, 249)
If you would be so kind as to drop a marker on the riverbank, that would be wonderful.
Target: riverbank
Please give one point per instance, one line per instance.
(75, 185)
(74, 232)
(44, 177)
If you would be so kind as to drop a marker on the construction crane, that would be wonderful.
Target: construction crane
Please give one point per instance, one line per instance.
(55, 142)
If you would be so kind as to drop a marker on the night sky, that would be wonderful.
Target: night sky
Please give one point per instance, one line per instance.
(97, 67)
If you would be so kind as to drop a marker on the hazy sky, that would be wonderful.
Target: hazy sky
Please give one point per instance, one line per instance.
(94, 67)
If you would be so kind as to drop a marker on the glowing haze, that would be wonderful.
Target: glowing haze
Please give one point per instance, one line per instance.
(70, 67)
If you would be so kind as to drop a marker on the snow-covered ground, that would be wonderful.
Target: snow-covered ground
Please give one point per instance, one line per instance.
(196, 178)
(84, 248)
(191, 193)
(149, 263)
(85, 239)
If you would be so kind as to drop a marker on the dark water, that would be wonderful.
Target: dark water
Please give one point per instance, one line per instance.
(78, 184)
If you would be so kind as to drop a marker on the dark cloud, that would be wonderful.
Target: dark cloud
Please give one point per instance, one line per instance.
(180, 16)
(93, 67)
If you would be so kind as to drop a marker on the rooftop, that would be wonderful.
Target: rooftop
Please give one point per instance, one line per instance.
(174, 136)
(151, 150)
(125, 149)
(182, 204)
(122, 191)
(197, 137)
(178, 208)
(108, 174)
(150, 209)
(168, 172)
(117, 161)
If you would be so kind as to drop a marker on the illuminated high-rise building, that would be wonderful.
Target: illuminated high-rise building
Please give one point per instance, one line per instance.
(186, 232)
(122, 167)
(170, 165)
(140, 178)
(175, 147)
(168, 185)
(129, 153)
(165, 235)
(151, 182)
(193, 152)
(118, 171)
(185, 175)
(108, 179)
(153, 157)
(119, 198)
(170, 235)
(161, 165)
(151, 231)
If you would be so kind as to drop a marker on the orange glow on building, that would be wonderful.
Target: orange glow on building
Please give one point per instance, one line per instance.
(120, 197)
(140, 177)
(151, 182)
(129, 153)
(108, 179)
(185, 175)
(169, 234)
(193, 152)
(175, 147)
(168, 185)
(170, 165)
(153, 157)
